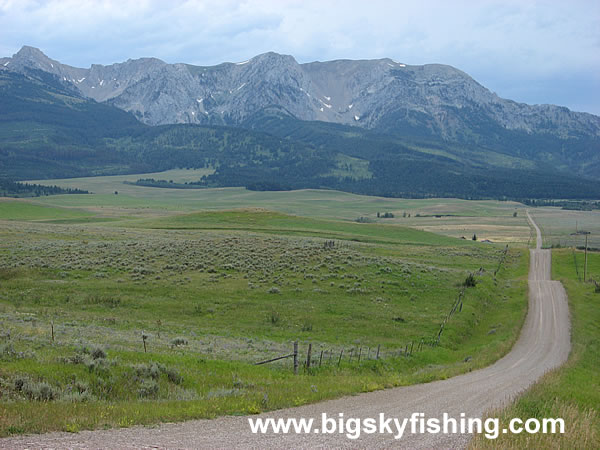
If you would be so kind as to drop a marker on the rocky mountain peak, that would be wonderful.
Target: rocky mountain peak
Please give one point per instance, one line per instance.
(272, 57)
(29, 52)
(379, 94)
(33, 58)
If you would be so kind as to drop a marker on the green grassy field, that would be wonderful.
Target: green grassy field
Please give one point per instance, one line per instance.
(571, 392)
(277, 223)
(492, 220)
(15, 210)
(558, 227)
(218, 279)
(214, 292)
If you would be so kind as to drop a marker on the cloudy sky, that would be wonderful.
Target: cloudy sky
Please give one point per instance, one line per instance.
(527, 50)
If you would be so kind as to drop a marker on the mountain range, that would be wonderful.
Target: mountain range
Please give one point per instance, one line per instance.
(354, 125)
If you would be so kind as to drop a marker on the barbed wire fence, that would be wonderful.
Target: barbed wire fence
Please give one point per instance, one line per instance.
(358, 353)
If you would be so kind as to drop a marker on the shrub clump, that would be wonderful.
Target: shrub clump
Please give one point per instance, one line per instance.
(97, 353)
(77, 358)
(153, 371)
(7, 351)
(97, 365)
(35, 390)
(173, 376)
(148, 389)
(470, 281)
(179, 341)
(93, 358)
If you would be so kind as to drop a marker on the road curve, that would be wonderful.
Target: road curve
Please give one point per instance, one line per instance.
(544, 344)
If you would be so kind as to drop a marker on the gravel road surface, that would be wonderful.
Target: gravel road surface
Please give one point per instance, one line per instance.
(544, 344)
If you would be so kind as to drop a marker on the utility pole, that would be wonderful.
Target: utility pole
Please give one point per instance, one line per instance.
(586, 233)
(585, 260)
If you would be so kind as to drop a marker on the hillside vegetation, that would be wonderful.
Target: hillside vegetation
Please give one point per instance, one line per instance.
(162, 319)
(49, 131)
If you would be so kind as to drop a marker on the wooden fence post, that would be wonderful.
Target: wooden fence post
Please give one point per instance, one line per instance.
(295, 357)
(341, 354)
(359, 353)
(378, 347)
(308, 356)
(321, 358)
(52, 330)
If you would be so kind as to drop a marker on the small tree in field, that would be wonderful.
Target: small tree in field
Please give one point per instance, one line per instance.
(474, 237)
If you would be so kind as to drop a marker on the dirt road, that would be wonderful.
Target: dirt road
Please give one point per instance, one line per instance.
(544, 344)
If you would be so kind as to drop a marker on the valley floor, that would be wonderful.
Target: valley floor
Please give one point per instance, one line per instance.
(543, 344)
(152, 306)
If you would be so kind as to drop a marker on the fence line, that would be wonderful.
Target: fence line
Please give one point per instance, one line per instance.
(409, 348)
(274, 359)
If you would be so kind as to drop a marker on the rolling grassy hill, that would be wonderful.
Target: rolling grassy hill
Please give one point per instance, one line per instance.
(277, 223)
(215, 292)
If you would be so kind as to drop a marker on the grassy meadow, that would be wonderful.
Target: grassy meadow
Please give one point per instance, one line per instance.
(115, 319)
(559, 227)
(17, 211)
(491, 220)
(154, 304)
